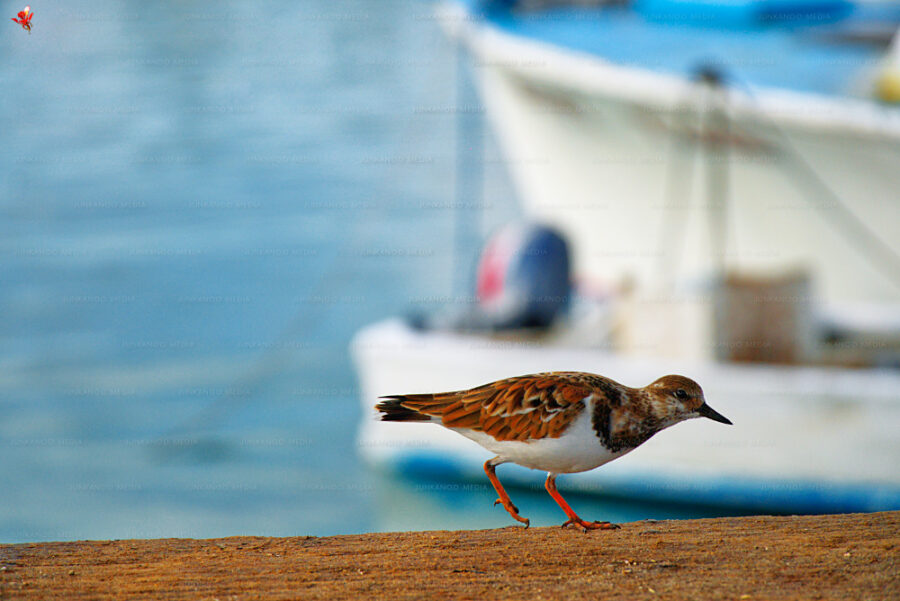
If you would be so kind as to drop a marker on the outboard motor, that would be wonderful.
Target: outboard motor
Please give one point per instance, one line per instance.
(522, 281)
(523, 277)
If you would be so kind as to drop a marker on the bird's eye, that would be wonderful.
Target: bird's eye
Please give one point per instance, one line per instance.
(680, 394)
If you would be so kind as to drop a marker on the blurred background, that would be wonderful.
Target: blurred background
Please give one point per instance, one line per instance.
(202, 204)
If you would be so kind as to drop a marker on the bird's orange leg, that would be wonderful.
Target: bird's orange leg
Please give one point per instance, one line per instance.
(574, 520)
(504, 498)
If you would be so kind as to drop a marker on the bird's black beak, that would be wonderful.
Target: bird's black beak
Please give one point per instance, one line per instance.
(707, 411)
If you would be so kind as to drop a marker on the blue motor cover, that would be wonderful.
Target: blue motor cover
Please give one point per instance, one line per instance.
(523, 277)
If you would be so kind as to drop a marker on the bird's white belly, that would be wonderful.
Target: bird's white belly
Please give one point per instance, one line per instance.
(577, 450)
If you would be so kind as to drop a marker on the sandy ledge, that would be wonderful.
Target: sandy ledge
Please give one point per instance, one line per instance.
(810, 557)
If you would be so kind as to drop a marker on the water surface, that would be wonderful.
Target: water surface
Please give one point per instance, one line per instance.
(199, 204)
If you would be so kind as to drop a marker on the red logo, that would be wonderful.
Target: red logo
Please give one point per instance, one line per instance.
(25, 18)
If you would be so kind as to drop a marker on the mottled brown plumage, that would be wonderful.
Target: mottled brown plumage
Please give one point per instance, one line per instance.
(520, 408)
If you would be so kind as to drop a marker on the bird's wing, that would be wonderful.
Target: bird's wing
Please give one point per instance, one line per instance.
(521, 408)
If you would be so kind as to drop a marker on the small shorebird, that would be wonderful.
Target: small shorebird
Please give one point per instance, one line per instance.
(558, 422)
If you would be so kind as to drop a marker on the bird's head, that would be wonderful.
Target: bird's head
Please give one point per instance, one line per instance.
(676, 398)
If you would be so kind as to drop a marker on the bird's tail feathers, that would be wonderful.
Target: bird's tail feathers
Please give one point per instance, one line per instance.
(393, 410)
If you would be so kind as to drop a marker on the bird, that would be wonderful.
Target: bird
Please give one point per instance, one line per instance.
(557, 422)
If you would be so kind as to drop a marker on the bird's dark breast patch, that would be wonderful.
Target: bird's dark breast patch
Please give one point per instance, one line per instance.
(619, 429)
(606, 398)
(601, 422)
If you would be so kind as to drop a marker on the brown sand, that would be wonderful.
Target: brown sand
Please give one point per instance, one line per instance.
(811, 557)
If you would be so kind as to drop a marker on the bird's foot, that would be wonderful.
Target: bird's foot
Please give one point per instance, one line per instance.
(513, 511)
(585, 526)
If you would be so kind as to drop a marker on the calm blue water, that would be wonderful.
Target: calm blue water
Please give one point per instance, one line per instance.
(199, 205)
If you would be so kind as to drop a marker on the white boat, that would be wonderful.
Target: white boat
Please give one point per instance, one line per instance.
(786, 177)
